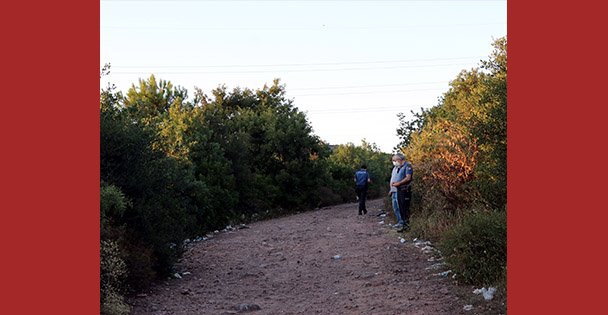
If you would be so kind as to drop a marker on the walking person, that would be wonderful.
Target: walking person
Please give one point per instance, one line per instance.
(362, 181)
(401, 188)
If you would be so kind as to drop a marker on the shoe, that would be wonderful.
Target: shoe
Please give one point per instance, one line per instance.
(364, 211)
(397, 226)
(360, 213)
(403, 228)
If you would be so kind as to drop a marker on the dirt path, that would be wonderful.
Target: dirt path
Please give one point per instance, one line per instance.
(287, 266)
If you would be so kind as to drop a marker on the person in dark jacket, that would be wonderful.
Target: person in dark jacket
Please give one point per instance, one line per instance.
(362, 181)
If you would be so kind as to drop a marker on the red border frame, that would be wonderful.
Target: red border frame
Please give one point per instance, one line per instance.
(49, 221)
(556, 116)
(49, 218)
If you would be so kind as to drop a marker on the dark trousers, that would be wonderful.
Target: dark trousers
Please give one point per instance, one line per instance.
(362, 194)
(404, 197)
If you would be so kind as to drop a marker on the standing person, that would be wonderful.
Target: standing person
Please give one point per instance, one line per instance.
(397, 174)
(403, 186)
(362, 180)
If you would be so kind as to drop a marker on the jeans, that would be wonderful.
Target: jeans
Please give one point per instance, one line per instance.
(396, 208)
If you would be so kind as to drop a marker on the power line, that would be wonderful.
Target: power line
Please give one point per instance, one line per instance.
(356, 110)
(353, 112)
(322, 28)
(365, 92)
(296, 64)
(288, 70)
(363, 86)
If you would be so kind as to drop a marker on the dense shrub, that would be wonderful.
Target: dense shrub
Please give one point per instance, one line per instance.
(476, 249)
(113, 272)
(113, 269)
(328, 197)
(162, 198)
(113, 204)
(432, 225)
(140, 260)
(341, 175)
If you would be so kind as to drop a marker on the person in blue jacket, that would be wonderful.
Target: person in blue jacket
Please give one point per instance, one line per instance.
(362, 181)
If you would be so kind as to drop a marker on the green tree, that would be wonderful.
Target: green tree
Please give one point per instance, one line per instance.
(270, 145)
(164, 194)
(148, 101)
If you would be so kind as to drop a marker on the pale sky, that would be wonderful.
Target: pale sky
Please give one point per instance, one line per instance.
(350, 65)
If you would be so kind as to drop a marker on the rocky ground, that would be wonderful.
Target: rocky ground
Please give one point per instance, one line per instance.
(328, 261)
